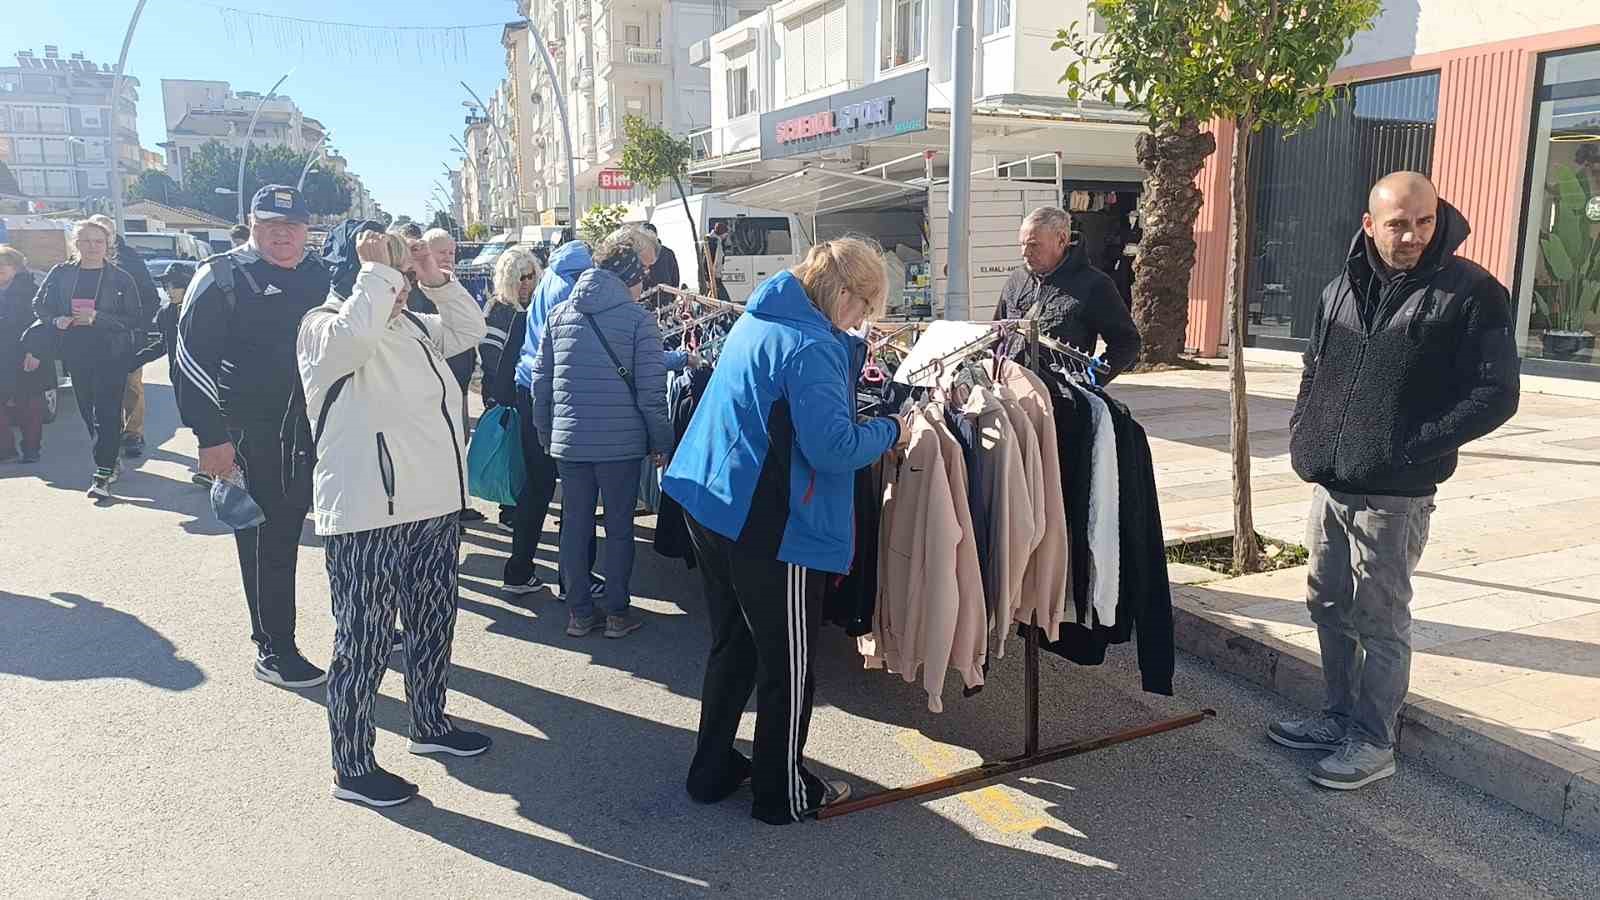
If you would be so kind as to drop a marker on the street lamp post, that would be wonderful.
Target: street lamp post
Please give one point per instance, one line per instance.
(244, 149)
(958, 287)
(505, 145)
(315, 151)
(116, 99)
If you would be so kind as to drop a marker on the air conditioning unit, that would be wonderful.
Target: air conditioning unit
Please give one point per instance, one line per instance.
(700, 52)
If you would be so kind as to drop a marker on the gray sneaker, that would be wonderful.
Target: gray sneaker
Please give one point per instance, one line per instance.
(621, 626)
(1322, 732)
(577, 627)
(1355, 765)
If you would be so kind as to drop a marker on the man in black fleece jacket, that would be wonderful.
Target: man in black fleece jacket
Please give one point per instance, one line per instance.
(1074, 302)
(1411, 357)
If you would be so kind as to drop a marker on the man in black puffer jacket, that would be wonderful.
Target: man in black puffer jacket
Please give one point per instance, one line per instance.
(1412, 356)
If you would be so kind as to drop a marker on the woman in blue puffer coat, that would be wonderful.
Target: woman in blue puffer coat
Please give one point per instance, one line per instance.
(766, 477)
(600, 407)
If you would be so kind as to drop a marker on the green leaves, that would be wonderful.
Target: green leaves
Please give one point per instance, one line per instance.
(650, 154)
(1571, 252)
(1200, 59)
(601, 220)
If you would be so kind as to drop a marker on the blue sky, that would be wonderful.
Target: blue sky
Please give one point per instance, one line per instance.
(391, 114)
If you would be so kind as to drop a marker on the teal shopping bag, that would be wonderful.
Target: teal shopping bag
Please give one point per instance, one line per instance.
(495, 468)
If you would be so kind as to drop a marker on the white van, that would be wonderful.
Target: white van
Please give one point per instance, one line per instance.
(760, 242)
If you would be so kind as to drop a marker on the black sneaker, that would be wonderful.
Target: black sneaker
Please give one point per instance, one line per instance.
(455, 742)
(471, 515)
(289, 670)
(29, 457)
(132, 446)
(100, 489)
(376, 788)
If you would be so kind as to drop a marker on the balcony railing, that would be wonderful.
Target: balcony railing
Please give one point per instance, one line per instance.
(626, 53)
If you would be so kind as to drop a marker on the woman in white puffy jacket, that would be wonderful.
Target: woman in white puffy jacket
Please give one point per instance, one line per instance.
(389, 487)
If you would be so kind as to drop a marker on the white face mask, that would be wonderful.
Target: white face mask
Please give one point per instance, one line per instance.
(860, 331)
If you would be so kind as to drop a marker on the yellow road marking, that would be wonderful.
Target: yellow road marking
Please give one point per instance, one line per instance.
(992, 804)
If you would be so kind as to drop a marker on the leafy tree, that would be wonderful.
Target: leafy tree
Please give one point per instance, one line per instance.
(601, 220)
(477, 231)
(154, 184)
(399, 221)
(214, 165)
(651, 155)
(1257, 62)
(383, 218)
(442, 219)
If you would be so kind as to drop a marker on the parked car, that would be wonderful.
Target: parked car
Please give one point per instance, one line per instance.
(153, 245)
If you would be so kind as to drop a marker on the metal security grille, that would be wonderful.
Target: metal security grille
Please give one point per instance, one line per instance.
(1310, 190)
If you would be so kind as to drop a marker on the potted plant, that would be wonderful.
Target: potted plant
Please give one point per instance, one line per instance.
(1572, 259)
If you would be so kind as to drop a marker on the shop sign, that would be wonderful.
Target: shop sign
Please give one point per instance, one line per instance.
(1592, 210)
(883, 109)
(614, 180)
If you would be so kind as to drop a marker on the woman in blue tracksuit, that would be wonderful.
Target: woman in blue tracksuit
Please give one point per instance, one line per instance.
(765, 475)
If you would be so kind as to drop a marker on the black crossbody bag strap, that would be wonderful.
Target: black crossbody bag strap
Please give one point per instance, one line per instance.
(622, 370)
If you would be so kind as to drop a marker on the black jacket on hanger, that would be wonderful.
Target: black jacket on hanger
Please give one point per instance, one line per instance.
(1144, 597)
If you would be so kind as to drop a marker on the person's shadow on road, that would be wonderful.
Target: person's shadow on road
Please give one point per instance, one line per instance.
(47, 639)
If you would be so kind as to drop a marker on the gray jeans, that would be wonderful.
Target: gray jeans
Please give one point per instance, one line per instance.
(1364, 549)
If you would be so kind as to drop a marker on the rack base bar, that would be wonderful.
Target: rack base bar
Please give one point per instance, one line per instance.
(968, 779)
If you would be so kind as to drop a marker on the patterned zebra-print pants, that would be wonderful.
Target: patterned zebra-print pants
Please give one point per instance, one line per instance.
(372, 574)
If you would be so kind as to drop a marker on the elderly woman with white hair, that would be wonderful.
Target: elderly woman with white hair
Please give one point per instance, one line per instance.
(516, 272)
(95, 310)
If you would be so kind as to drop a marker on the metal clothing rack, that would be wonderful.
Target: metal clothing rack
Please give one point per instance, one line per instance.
(1032, 753)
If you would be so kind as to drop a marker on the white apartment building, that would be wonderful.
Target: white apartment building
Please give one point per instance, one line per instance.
(613, 58)
(200, 111)
(55, 128)
(475, 172)
(798, 51)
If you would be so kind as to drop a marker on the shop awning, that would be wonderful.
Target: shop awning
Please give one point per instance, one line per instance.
(814, 191)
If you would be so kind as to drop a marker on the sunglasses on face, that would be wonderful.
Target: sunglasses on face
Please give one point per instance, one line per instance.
(527, 277)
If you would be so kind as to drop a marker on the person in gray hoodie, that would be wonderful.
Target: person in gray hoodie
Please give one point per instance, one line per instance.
(600, 407)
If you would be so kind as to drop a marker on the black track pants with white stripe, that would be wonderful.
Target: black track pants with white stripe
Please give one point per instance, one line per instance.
(764, 616)
(270, 552)
(411, 569)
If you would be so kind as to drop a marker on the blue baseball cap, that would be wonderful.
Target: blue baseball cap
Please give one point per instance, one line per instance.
(280, 203)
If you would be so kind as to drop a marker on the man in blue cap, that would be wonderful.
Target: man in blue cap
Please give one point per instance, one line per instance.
(237, 376)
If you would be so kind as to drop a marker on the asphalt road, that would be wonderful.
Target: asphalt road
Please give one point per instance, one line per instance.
(142, 758)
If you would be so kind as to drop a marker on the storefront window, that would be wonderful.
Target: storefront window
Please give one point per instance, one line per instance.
(1311, 189)
(1558, 293)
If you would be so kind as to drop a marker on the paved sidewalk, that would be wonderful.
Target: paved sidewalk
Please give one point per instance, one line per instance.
(1505, 688)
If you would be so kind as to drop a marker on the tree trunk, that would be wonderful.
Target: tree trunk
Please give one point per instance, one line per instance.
(1246, 548)
(694, 230)
(1172, 155)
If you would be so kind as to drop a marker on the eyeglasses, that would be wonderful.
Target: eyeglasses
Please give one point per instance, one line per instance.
(527, 277)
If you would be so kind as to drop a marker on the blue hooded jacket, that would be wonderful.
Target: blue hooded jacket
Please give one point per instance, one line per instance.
(769, 458)
(567, 262)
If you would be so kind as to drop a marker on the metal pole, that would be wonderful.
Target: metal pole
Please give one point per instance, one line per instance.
(505, 149)
(300, 185)
(958, 286)
(116, 100)
(566, 127)
(244, 149)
